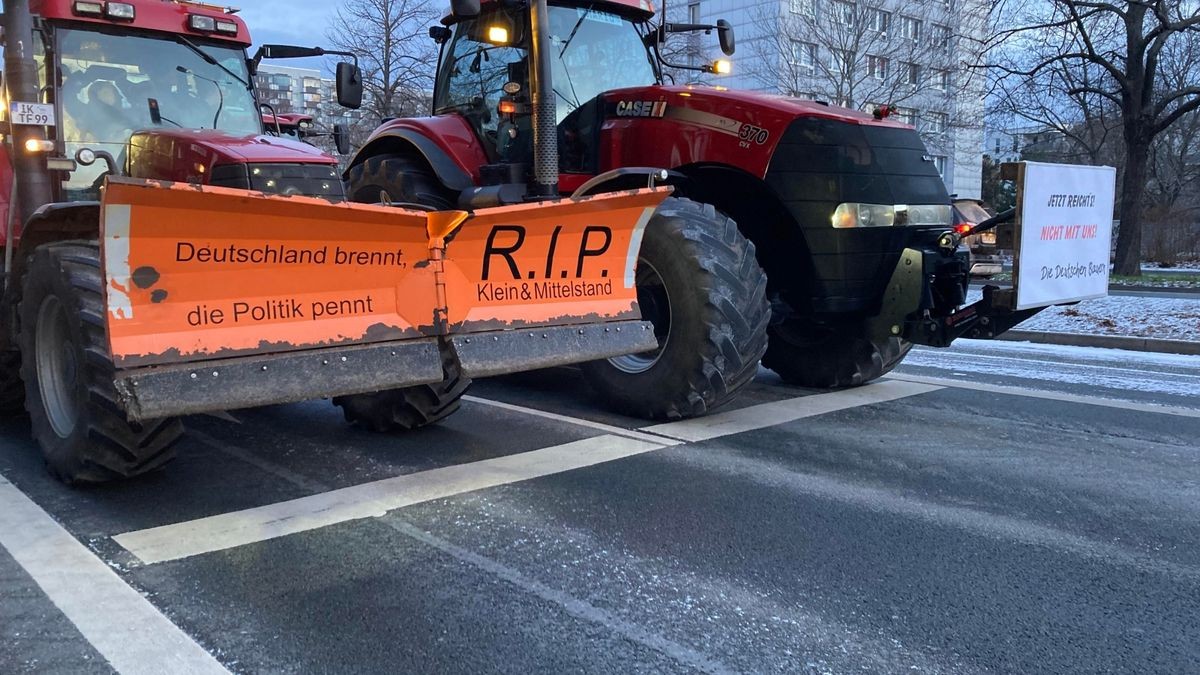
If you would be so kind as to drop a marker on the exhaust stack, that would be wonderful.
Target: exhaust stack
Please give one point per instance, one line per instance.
(541, 86)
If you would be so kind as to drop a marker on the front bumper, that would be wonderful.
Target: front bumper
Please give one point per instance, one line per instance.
(925, 295)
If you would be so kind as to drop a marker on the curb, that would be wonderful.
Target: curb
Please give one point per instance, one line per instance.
(1137, 344)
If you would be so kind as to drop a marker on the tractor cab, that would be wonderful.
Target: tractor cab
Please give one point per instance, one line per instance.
(483, 72)
(157, 90)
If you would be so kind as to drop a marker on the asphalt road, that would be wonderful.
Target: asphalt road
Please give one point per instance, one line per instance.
(993, 508)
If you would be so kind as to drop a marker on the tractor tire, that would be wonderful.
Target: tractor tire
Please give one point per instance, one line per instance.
(68, 372)
(403, 180)
(830, 357)
(700, 284)
(397, 179)
(410, 407)
(12, 389)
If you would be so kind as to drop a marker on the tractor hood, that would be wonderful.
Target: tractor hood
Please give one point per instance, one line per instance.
(748, 125)
(214, 157)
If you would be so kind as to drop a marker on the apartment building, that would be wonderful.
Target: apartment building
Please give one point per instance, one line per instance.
(921, 57)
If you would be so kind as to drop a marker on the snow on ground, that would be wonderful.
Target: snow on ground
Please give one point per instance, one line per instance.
(1157, 318)
(1102, 369)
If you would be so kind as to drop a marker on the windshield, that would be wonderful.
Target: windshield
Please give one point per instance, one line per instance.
(594, 52)
(591, 52)
(108, 81)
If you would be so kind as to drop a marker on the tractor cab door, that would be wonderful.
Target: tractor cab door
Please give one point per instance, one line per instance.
(591, 52)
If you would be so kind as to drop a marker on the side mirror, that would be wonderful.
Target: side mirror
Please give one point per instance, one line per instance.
(725, 36)
(464, 9)
(349, 86)
(341, 139)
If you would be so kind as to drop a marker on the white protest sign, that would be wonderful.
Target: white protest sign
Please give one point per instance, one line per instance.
(1065, 233)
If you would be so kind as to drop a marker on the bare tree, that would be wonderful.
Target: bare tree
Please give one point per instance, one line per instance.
(872, 53)
(692, 49)
(1094, 67)
(397, 57)
(856, 54)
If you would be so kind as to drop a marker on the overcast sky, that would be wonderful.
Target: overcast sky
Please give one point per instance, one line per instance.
(296, 22)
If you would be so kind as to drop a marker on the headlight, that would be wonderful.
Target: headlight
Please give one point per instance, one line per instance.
(852, 215)
(863, 215)
(924, 214)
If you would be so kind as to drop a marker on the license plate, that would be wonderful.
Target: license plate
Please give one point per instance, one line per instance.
(988, 238)
(31, 114)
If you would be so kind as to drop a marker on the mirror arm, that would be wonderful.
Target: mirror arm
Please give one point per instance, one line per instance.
(321, 51)
(688, 27)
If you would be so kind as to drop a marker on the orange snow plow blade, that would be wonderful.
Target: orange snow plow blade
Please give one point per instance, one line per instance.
(219, 298)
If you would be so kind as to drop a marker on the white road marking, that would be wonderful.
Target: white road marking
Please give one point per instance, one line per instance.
(369, 500)
(577, 421)
(570, 604)
(781, 412)
(121, 624)
(1048, 395)
(375, 499)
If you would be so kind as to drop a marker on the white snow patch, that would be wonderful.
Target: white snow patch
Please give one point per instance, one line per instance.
(1132, 316)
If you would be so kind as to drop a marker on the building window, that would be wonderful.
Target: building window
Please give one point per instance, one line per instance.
(694, 12)
(936, 123)
(906, 115)
(840, 61)
(941, 80)
(877, 67)
(939, 163)
(940, 37)
(804, 54)
(912, 74)
(842, 12)
(910, 28)
(877, 20)
(804, 7)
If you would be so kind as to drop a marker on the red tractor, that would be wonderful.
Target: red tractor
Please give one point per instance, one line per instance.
(291, 125)
(143, 89)
(845, 211)
(163, 256)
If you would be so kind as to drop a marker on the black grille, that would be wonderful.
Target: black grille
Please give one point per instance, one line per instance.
(820, 163)
(309, 180)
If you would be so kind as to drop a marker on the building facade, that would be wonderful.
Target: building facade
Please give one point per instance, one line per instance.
(920, 57)
(302, 90)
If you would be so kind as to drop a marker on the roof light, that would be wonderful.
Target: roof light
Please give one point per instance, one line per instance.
(89, 8)
(497, 35)
(227, 27)
(120, 10)
(199, 22)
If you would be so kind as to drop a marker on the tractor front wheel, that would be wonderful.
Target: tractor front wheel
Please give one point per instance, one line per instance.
(68, 372)
(403, 180)
(700, 285)
(830, 357)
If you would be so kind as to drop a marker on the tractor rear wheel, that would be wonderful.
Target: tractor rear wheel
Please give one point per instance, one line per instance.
(68, 371)
(830, 357)
(408, 407)
(403, 180)
(700, 285)
(397, 179)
